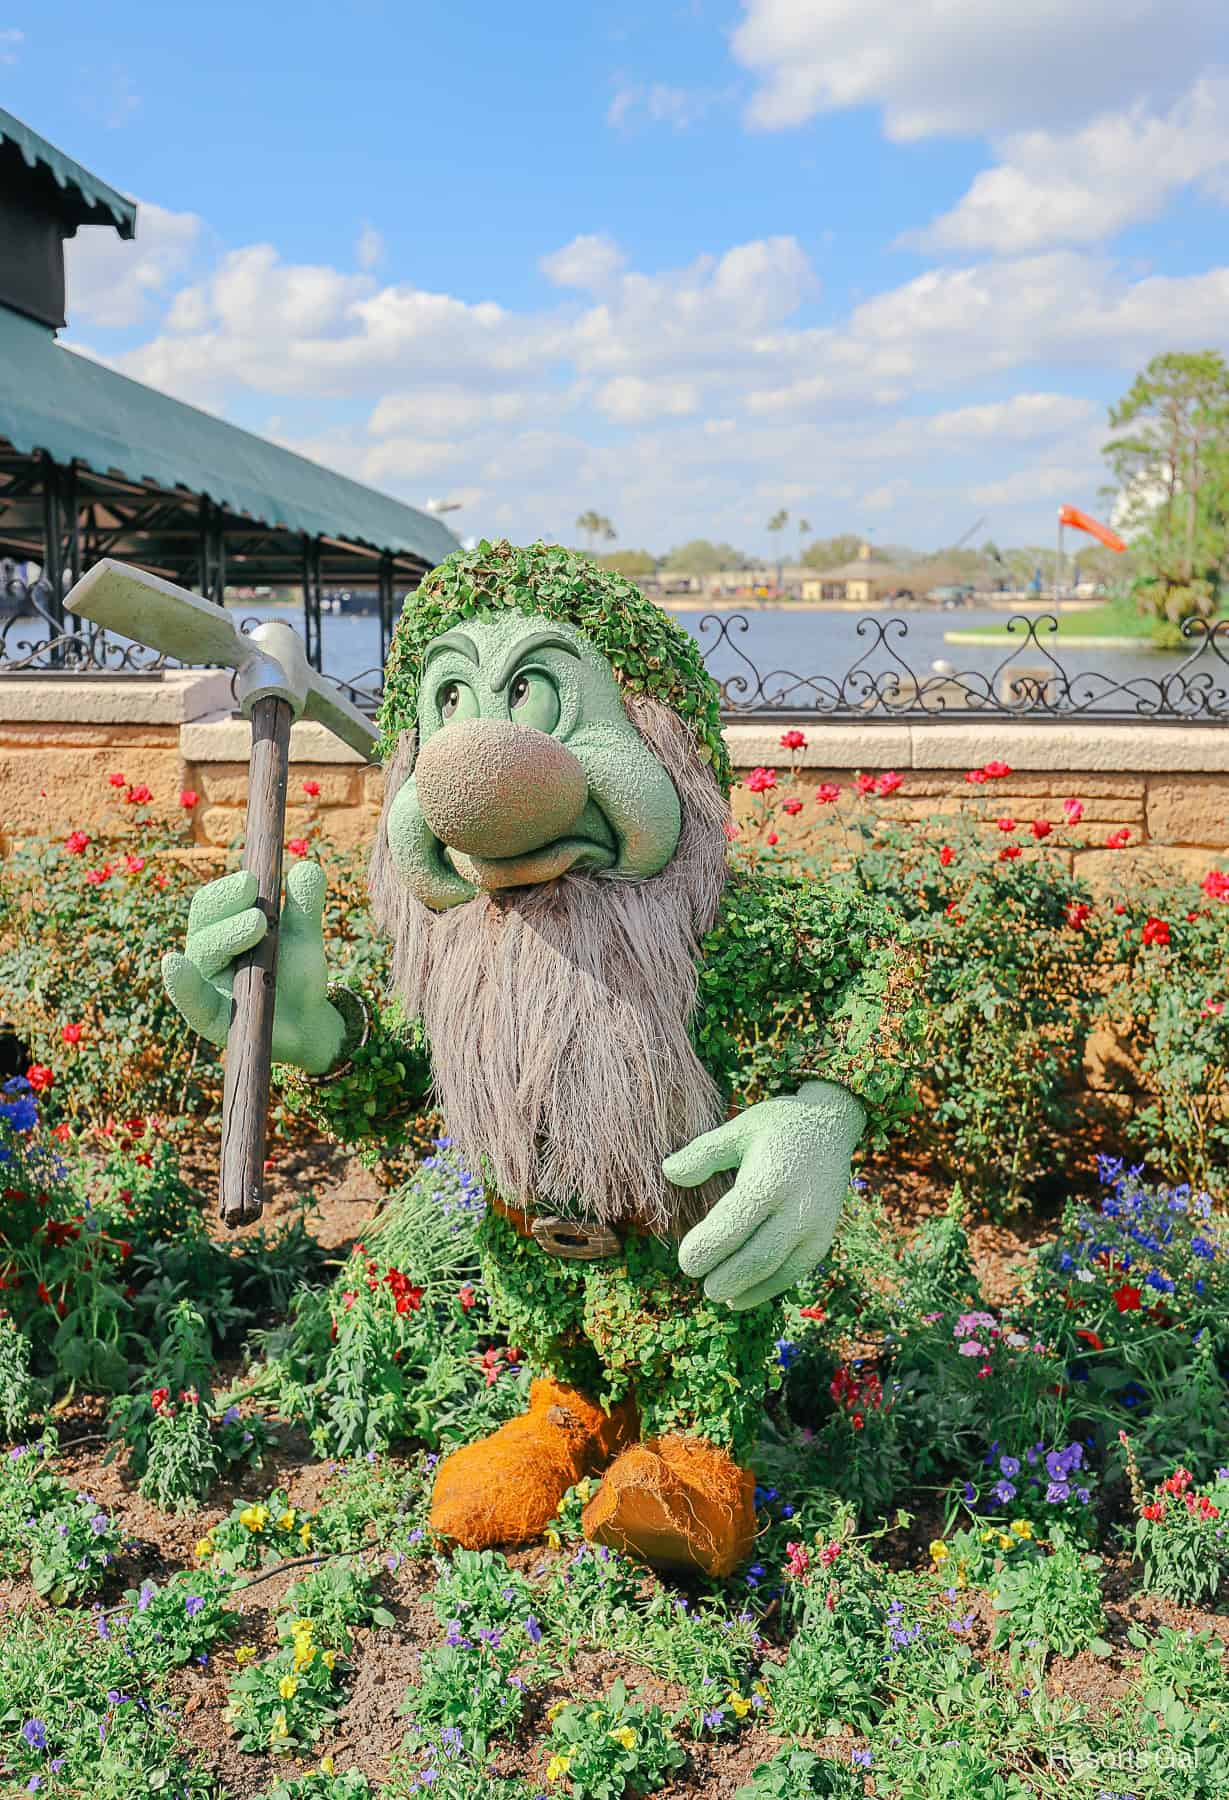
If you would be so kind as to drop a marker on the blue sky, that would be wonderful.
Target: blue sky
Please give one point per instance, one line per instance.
(883, 262)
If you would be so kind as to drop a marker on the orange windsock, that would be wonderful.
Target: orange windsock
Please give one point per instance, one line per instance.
(1082, 521)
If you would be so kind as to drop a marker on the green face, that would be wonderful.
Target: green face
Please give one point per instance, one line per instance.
(527, 767)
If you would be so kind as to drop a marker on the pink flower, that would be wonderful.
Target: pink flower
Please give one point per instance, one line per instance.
(134, 864)
(761, 780)
(799, 1560)
(829, 1553)
(971, 1347)
(1211, 1009)
(888, 782)
(731, 831)
(188, 799)
(1007, 824)
(311, 789)
(793, 740)
(297, 846)
(828, 791)
(791, 807)
(976, 776)
(1215, 884)
(865, 784)
(96, 877)
(1074, 810)
(76, 842)
(995, 771)
(467, 1296)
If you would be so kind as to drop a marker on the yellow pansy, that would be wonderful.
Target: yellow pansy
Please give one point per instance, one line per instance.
(204, 1548)
(305, 1534)
(329, 1658)
(280, 1728)
(1006, 1542)
(741, 1706)
(288, 1687)
(939, 1551)
(304, 1656)
(245, 1653)
(557, 1767)
(1022, 1527)
(761, 1690)
(584, 1491)
(625, 1736)
(988, 1536)
(552, 1712)
(326, 1765)
(302, 1628)
(595, 1717)
(552, 1537)
(286, 1522)
(254, 1517)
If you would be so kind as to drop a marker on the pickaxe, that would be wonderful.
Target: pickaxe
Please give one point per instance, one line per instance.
(274, 685)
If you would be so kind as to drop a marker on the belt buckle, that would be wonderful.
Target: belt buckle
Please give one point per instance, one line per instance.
(573, 1242)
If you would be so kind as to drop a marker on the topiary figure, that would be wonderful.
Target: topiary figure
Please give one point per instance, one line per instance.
(591, 993)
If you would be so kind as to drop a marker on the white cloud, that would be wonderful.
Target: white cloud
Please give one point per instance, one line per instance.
(1084, 186)
(970, 65)
(661, 103)
(113, 282)
(11, 41)
(1043, 481)
(630, 399)
(369, 249)
(590, 262)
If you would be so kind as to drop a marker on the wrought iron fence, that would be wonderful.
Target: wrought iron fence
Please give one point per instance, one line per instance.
(1029, 680)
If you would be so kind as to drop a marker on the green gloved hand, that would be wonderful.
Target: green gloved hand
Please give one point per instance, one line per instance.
(308, 1031)
(779, 1218)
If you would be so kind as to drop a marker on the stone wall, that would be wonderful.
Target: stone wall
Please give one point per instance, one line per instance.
(1168, 785)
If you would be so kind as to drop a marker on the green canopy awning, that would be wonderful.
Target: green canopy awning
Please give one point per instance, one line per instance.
(85, 199)
(78, 410)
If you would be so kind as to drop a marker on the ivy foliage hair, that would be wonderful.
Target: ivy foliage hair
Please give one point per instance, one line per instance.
(648, 651)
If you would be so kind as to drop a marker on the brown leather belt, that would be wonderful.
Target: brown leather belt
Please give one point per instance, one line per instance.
(569, 1239)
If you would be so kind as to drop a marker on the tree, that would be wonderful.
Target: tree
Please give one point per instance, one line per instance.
(596, 525)
(830, 553)
(778, 521)
(629, 562)
(1171, 462)
(700, 557)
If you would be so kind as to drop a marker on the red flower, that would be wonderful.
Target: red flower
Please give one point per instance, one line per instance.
(865, 784)
(1041, 828)
(40, 1077)
(1155, 931)
(134, 864)
(1117, 840)
(116, 779)
(72, 1034)
(888, 782)
(996, 770)
(188, 799)
(947, 856)
(976, 776)
(96, 877)
(1074, 810)
(159, 1398)
(1178, 1482)
(827, 792)
(760, 781)
(76, 842)
(1211, 1009)
(311, 789)
(1127, 1298)
(467, 1296)
(1078, 914)
(791, 807)
(811, 1312)
(731, 831)
(1154, 1509)
(62, 1131)
(297, 846)
(44, 1293)
(1007, 824)
(139, 795)
(1090, 1337)
(1009, 852)
(772, 838)
(1215, 884)
(793, 740)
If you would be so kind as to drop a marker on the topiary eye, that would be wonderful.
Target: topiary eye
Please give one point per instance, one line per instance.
(456, 701)
(533, 700)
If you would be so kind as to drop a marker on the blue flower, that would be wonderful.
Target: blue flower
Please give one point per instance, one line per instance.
(34, 1731)
(1010, 1465)
(533, 1629)
(193, 1605)
(787, 1353)
(1004, 1491)
(861, 1759)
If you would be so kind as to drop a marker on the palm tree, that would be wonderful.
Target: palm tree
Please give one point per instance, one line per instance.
(595, 525)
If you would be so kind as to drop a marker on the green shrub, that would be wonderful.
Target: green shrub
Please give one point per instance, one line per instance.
(1050, 1602)
(611, 1747)
(797, 1775)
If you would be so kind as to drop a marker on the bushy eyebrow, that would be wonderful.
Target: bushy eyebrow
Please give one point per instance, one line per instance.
(452, 640)
(537, 640)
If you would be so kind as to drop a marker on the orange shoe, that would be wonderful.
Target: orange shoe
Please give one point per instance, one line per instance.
(676, 1502)
(506, 1488)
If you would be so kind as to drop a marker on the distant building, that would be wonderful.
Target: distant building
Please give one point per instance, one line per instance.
(863, 580)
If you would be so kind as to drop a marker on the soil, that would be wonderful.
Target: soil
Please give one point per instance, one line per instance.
(386, 1660)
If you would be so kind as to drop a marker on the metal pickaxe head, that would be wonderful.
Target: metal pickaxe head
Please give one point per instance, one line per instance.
(274, 685)
(270, 662)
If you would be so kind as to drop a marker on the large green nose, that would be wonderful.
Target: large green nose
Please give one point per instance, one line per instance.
(493, 789)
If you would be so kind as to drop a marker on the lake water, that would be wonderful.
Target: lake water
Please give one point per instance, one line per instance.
(823, 644)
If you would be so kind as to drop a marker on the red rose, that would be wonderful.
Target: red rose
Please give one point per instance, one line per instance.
(76, 842)
(1009, 852)
(139, 795)
(996, 770)
(772, 838)
(1007, 824)
(1074, 810)
(1040, 828)
(1155, 931)
(1117, 840)
(793, 740)
(1078, 914)
(1215, 884)
(297, 846)
(888, 782)
(134, 864)
(72, 1034)
(976, 776)
(827, 792)
(760, 781)
(947, 856)
(188, 799)
(116, 779)
(791, 807)
(865, 784)
(311, 789)
(40, 1077)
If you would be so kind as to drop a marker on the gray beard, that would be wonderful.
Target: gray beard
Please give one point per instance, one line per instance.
(558, 1015)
